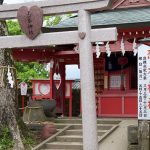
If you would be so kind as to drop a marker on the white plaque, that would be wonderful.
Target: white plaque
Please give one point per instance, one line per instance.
(144, 83)
(24, 88)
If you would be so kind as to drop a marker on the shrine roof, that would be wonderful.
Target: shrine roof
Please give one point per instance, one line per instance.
(108, 18)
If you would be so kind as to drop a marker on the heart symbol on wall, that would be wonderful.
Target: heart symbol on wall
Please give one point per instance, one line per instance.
(30, 20)
(57, 78)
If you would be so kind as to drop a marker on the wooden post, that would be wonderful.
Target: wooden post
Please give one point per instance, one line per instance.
(22, 103)
(87, 83)
(63, 82)
(70, 101)
(51, 83)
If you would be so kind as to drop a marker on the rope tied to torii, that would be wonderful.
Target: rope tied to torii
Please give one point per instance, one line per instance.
(9, 75)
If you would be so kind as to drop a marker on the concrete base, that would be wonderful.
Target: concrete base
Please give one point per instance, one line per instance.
(118, 139)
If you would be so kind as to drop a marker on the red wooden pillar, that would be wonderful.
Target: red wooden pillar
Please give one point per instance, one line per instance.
(62, 69)
(51, 83)
(22, 103)
(70, 101)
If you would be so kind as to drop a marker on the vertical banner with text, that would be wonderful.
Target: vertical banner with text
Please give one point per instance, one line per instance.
(143, 83)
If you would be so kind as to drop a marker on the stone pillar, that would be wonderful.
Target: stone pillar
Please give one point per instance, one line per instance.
(143, 135)
(89, 119)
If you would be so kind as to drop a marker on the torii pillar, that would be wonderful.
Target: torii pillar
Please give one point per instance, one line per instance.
(89, 119)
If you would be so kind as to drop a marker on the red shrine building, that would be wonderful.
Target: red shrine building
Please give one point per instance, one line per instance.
(115, 63)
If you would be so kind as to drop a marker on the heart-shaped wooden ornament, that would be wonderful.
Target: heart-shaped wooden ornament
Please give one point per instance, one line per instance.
(82, 35)
(30, 20)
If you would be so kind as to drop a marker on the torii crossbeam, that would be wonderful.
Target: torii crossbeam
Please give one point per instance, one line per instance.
(83, 8)
(52, 7)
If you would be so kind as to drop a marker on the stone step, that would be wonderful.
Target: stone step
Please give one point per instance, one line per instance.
(69, 138)
(79, 121)
(79, 132)
(99, 126)
(69, 121)
(108, 122)
(79, 126)
(58, 149)
(60, 125)
(65, 145)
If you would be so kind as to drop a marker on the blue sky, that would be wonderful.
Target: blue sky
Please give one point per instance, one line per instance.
(72, 72)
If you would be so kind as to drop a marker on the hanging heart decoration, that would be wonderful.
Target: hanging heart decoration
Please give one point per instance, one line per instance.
(30, 20)
(82, 35)
(57, 78)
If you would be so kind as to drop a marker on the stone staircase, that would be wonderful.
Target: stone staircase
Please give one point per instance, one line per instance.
(69, 135)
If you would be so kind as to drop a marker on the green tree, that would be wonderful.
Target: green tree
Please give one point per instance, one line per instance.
(50, 21)
(27, 71)
(13, 27)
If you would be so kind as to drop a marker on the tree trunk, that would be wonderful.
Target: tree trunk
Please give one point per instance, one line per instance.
(8, 94)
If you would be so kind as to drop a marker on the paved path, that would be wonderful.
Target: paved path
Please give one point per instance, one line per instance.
(118, 139)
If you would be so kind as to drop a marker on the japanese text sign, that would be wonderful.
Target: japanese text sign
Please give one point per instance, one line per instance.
(144, 83)
(23, 87)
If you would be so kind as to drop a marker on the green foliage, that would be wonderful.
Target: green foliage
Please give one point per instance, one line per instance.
(13, 27)
(50, 21)
(54, 20)
(28, 138)
(6, 141)
(28, 71)
(29, 142)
